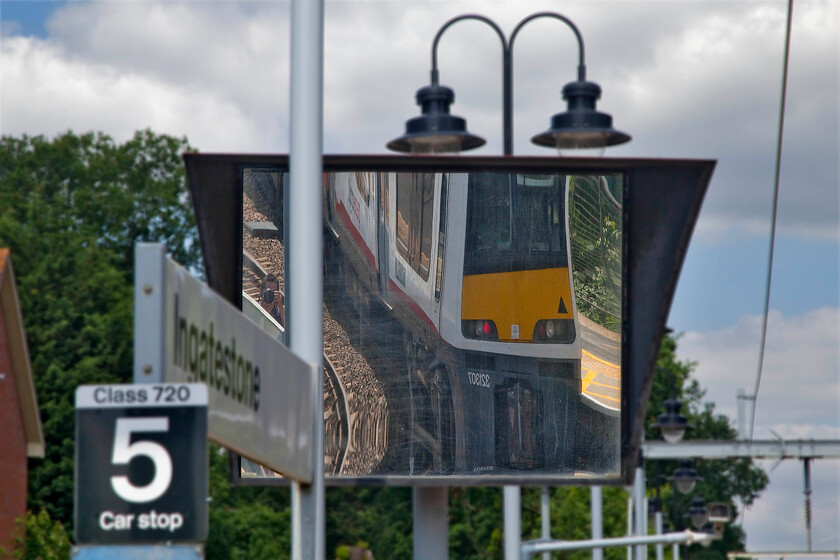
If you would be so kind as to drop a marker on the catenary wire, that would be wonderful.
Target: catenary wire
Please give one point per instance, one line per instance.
(774, 215)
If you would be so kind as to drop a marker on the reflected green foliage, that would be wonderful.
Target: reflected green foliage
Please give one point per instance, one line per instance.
(595, 239)
(71, 210)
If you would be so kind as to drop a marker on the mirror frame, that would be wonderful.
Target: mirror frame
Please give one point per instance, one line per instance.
(662, 199)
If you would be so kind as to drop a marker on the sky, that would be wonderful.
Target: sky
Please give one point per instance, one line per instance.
(687, 79)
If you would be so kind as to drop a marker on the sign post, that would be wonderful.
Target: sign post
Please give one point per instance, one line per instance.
(141, 463)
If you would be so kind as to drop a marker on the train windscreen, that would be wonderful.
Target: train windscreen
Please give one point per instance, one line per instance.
(515, 222)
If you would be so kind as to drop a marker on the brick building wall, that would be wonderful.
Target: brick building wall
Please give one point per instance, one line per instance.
(13, 446)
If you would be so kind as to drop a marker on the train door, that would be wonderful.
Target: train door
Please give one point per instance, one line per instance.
(382, 234)
(518, 409)
(441, 248)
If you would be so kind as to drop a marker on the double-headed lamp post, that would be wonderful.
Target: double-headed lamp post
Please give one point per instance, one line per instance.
(581, 126)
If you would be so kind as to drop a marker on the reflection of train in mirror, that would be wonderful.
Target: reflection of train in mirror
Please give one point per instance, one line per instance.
(468, 275)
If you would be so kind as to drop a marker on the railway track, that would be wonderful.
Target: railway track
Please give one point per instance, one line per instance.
(336, 418)
(360, 422)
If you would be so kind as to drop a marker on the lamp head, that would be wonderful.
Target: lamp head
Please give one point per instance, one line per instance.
(672, 424)
(684, 477)
(581, 126)
(435, 130)
(697, 512)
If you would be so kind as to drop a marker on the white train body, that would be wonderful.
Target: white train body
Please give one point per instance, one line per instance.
(475, 270)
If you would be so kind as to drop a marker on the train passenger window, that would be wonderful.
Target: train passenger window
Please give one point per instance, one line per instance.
(441, 237)
(363, 185)
(415, 210)
(384, 207)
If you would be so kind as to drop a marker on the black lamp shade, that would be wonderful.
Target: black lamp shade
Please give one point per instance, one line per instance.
(435, 130)
(684, 477)
(581, 125)
(672, 424)
(697, 512)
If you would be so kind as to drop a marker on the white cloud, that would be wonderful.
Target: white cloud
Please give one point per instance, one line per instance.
(799, 398)
(776, 521)
(800, 382)
(52, 94)
(211, 71)
(686, 79)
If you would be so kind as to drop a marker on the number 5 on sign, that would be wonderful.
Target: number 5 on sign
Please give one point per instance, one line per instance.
(151, 484)
(124, 451)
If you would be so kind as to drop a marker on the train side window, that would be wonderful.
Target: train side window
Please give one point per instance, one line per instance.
(441, 237)
(404, 190)
(415, 208)
(384, 208)
(427, 193)
(363, 186)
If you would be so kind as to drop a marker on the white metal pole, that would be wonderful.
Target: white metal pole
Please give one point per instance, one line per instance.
(675, 551)
(630, 524)
(660, 548)
(512, 498)
(641, 512)
(596, 509)
(545, 510)
(431, 522)
(535, 547)
(305, 271)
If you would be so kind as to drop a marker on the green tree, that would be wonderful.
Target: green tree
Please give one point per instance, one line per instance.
(71, 210)
(38, 537)
(246, 522)
(724, 480)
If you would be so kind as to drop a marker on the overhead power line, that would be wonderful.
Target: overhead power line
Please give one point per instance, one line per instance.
(774, 215)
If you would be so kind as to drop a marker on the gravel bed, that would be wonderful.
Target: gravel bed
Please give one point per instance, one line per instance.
(367, 407)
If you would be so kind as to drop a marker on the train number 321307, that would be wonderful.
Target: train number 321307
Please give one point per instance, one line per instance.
(479, 379)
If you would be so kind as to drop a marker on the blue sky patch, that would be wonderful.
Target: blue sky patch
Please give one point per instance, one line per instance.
(28, 17)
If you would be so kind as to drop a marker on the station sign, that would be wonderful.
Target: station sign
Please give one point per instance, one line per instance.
(260, 394)
(141, 463)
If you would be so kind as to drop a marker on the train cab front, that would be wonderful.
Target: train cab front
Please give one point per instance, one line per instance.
(520, 365)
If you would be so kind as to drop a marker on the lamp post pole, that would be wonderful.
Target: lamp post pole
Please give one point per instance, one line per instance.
(507, 64)
(305, 285)
(511, 494)
(435, 130)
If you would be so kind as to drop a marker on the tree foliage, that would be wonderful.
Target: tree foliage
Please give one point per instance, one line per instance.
(38, 537)
(71, 210)
(724, 480)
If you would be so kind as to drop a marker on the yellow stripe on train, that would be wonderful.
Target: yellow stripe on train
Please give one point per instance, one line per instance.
(517, 300)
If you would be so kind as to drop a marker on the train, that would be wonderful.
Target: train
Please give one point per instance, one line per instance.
(467, 278)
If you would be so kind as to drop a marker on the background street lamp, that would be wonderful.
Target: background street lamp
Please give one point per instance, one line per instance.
(580, 126)
(697, 512)
(684, 477)
(671, 423)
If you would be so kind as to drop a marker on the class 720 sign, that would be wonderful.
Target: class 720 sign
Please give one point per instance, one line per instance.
(141, 463)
